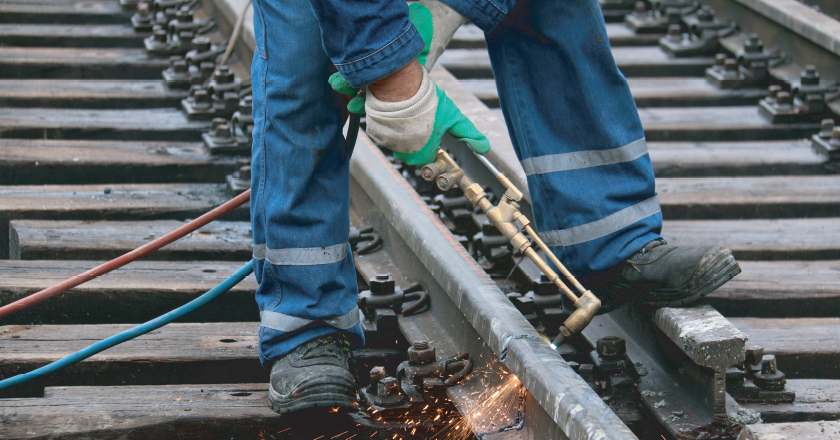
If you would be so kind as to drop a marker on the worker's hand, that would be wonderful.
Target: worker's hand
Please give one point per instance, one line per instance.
(413, 128)
(341, 85)
(436, 22)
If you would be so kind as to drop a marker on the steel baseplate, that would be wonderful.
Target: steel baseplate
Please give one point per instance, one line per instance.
(681, 355)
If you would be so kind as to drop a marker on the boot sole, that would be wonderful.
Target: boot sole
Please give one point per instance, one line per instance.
(722, 270)
(285, 405)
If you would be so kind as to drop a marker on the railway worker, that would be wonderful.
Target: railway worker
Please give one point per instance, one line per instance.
(571, 118)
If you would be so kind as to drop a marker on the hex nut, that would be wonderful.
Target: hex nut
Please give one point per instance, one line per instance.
(421, 354)
(611, 346)
(382, 284)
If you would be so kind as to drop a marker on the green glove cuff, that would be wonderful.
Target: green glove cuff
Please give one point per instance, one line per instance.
(422, 19)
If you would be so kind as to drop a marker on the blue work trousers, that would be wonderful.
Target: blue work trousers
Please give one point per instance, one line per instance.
(569, 111)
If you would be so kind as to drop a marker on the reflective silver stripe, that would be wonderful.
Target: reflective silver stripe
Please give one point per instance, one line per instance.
(584, 159)
(301, 256)
(602, 227)
(287, 323)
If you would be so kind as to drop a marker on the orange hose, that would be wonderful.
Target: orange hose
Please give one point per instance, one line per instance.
(121, 261)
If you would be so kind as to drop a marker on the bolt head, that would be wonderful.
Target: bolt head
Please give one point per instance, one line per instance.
(387, 387)
(768, 364)
(421, 356)
(826, 128)
(143, 9)
(754, 355)
(784, 98)
(730, 64)
(159, 35)
(640, 7)
(202, 44)
(217, 122)
(720, 59)
(245, 172)
(377, 374)
(810, 76)
(835, 133)
(382, 284)
(222, 131)
(611, 346)
(674, 30)
(706, 14)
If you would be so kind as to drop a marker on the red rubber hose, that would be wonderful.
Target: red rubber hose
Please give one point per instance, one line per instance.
(121, 261)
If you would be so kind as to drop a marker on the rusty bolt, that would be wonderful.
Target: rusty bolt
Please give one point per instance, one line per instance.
(784, 99)
(143, 9)
(222, 132)
(730, 65)
(217, 122)
(387, 387)
(754, 355)
(186, 37)
(202, 44)
(223, 75)
(810, 76)
(768, 364)
(376, 375)
(611, 346)
(769, 378)
(706, 14)
(245, 172)
(421, 353)
(160, 35)
(206, 68)
(201, 97)
(184, 15)
(382, 284)
(754, 44)
(180, 66)
(773, 92)
(674, 32)
(826, 128)
(640, 8)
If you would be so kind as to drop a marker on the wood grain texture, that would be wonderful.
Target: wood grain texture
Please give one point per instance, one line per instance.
(179, 353)
(781, 289)
(469, 36)
(90, 35)
(136, 293)
(55, 63)
(707, 124)
(816, 399)
(804, 347)
(111, 94)
(34, 161)
(749, 197)
(134, 124)
(632, 61)
(785, 431)
(785, 239)
(63, 12)
(707, 159)
(207, 412)
(125, 201)
(104, 240)
(652, 92)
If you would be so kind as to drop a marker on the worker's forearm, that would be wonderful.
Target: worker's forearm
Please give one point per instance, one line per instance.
(400, 85)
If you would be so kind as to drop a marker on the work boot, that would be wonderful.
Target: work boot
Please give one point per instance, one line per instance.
(316, 374)
(662, 275)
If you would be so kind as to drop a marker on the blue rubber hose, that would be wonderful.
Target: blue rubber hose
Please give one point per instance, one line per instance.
(133, 332)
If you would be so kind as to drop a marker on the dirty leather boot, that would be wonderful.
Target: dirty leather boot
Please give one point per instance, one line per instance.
(662, 275)
(316, 374)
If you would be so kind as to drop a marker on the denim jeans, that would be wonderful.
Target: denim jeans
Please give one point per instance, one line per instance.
(569, 111)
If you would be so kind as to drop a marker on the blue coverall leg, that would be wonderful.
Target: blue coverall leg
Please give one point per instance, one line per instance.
(575, 128)
(300, 162)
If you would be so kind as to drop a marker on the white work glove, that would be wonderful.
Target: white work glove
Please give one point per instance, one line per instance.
(437, 24)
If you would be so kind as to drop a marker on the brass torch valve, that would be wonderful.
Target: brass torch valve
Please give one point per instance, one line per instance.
(511, 222)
